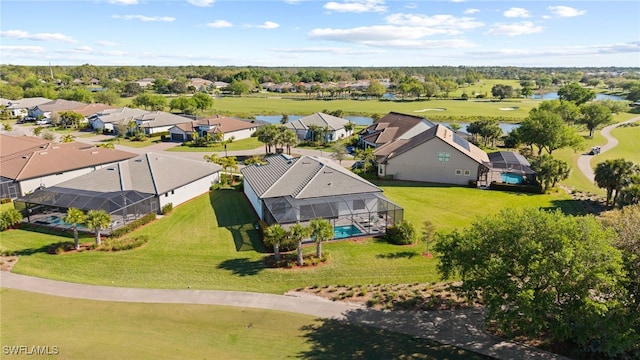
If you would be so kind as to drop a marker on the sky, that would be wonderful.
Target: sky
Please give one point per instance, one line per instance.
(290, 33)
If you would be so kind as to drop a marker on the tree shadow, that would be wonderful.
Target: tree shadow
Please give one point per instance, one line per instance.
(398, 255)
(576, 207)
(31, 251)
(334, 339)
(242, 267)
(234, 213)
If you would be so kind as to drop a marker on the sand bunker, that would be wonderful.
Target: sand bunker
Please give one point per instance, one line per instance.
(434, 109)
(509, 108)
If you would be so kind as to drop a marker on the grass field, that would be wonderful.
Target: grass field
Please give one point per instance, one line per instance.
(84, 329)
(628, 146)
(211, 243)
(239, 145)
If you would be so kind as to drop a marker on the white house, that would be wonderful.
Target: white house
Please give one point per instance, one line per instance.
(109, 119)
(158, 121)
(20, 108)
(335, 126)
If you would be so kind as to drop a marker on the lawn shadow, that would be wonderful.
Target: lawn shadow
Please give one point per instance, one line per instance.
(31, 251)
(398, 255)
(235, 214)
(577, 207)
(406, 183)
(242, 267)
(334, 339)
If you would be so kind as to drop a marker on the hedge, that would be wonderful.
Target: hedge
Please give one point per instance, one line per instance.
(133, 225)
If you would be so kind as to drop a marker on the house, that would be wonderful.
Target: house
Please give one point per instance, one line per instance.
(55, 106)
(87, 110)
(391, 127)
(304, 127)
(145, 82)
(200, 84)
(295, 190)
(27, 163)
(109, 119)
(435, 155)
(511, 168)
(126, 189)
(228, 127)
(20, 108)
(158, 121)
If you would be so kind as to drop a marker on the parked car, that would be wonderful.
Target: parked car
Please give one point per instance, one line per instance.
(45, 121)
(26, 119)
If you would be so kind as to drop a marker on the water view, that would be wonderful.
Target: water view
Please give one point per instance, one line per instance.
(554, 96)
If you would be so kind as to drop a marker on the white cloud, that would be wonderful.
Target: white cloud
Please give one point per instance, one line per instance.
(219, 24)
(24, 49)
(517, 13)
(24, 35)
(357, 6)
(565, 11)
(123, 2)
(83, 49)
(436, 24)
(515, 29)
(471, 11)
(144, 18)
(591, 50)
(411, 5)
(201, 3)
(326, 50)
(269, 25)
(458, 1)
(292, 2)
(388, 36)
(106, 43)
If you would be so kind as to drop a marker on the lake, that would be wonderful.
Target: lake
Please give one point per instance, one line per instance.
(363, 120)
(554, 96)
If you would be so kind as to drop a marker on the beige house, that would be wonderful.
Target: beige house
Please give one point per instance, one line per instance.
(436, 155)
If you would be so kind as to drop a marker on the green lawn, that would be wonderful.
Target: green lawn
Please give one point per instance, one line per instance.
(85, 329)
(628, 146)
(211, 243)
(133, 144)
(239, 145)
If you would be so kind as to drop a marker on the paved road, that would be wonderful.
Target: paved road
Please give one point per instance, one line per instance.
(584, 161)
(460, 328)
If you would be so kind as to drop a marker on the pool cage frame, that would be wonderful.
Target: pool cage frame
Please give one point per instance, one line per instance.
(367, 214)
(47, 206)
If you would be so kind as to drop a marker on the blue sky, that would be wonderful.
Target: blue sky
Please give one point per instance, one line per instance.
(320, 33)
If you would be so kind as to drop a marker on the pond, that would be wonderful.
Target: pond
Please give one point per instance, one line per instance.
(554, 96)
(363, 120)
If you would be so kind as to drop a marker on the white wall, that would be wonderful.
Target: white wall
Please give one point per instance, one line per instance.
(240, 134)
(253, 198)
(189, 191)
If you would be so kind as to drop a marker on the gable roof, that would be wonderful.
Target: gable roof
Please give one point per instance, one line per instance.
(150, 173)
(160, 118)
(27, 103)
(391, 127)
(304, 177)
(439, 131)
(319, 119)
(222, 124)
(117, 116)
(47, 158)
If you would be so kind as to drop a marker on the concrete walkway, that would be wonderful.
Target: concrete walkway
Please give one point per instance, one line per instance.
(460, 328)
(584, 161)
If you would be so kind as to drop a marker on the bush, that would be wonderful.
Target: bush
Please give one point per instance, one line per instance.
(123, 244)
(160, 134)
(9, 218)
(533, 189)
(167, 208)
(403, 233)
(5, 200)
(60, 247)
(119, 232)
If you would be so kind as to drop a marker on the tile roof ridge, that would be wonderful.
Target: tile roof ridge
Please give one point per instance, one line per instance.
(153, 179)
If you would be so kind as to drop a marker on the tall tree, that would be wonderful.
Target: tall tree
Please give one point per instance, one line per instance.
(550, 170)
(97, 220)
(275, 236)
(502, 91)
(74, 217)
(574, 92)
(367, 156)
(594, 115)
(298, 233)
(321, 231)
(547, 131)
(202, 101)
(613, 175)
(339, 152)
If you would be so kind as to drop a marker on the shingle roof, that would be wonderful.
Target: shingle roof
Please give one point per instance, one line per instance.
(48, 158)
(304, 177)
(150, 173)
(319, 119)
(439, 131)
(390, 127)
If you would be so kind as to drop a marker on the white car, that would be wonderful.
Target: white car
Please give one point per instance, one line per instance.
(45, 121)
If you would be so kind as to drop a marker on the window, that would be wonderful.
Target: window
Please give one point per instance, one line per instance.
(166, 194)
(173, 192)
(458, 172)
(444, 156)
(467, 173)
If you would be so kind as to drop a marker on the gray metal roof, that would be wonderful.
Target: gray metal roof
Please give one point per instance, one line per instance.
(304, 177)
(319, 119)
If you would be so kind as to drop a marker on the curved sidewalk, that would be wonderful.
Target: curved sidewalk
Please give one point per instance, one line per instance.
(584, 161)
(460, 328)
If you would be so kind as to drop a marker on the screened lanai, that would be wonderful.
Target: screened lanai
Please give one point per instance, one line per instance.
(48, 206)
(350, 215)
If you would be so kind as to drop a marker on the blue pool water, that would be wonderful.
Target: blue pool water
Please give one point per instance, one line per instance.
(58, 221)
(341, 232)
(509, 178)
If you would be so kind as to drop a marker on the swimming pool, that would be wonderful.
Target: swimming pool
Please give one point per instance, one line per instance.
(55, 220)
(509, 178)
(345, 231)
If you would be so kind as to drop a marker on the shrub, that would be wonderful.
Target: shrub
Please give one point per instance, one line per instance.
(403, 233)
(9, 218)
(5, 200)
(123, 244)
(60, 247)
(119, 232)
(167, 208)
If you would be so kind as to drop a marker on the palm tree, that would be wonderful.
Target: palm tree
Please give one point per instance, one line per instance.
(229, 162)
(274, 236)
(74, 217)
(321, 230)
(97, 220)
(288, 138)
(213, 158)
(348, 127)
(367, 156)
(613, 175)
(67, 138)
(298, 233)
